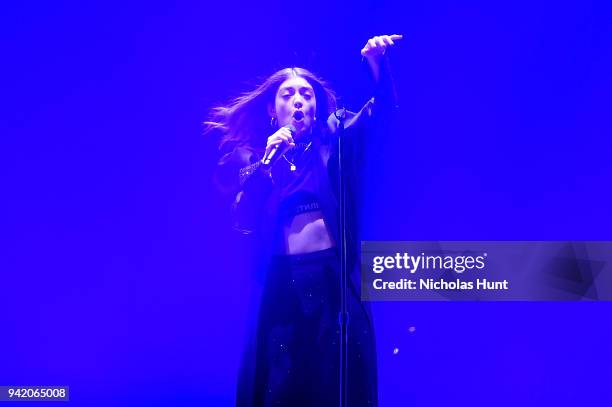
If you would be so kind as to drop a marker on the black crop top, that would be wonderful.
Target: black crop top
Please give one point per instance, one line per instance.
(298, 203)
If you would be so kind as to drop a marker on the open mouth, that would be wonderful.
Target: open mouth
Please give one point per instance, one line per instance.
(298, 115)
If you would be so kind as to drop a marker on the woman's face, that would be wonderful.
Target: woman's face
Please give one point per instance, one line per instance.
(296, 104)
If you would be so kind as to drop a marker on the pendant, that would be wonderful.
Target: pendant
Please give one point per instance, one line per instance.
(292, 168)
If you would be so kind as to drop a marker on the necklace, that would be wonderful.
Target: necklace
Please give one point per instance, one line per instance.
(295, 159)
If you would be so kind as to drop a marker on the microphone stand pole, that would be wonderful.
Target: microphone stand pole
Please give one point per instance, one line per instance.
(343, 317)
(384, 71)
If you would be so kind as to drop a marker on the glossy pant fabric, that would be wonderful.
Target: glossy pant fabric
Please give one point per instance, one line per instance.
(298, 348)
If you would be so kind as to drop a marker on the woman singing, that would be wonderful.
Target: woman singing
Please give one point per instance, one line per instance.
(280, 170)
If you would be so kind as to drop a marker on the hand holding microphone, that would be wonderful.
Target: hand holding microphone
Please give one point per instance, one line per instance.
(281, 140)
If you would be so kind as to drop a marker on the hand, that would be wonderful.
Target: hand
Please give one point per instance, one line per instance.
(376, 46)
(281, 139)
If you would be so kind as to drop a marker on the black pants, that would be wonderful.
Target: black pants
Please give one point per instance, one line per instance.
(298, 336)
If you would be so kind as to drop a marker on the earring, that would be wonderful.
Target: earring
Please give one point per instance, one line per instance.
(273, 122)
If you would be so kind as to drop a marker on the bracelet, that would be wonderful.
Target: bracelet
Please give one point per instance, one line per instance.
(246, 172)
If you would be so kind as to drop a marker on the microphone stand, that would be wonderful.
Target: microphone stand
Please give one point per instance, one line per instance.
(384, 71)
(343, 316)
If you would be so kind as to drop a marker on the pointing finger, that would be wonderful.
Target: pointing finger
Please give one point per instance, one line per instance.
(387, 39)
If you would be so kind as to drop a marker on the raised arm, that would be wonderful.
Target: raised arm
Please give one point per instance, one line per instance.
(384, 98)
(374, 50)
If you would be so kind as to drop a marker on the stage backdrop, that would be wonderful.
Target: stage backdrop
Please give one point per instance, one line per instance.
(119, 276)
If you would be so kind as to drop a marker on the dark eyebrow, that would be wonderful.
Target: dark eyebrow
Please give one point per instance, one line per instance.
(300, 89)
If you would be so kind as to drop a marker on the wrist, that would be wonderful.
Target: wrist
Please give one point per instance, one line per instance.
(374, 63)
(265, 168)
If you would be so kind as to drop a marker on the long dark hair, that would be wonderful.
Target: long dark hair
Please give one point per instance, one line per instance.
(245, 122)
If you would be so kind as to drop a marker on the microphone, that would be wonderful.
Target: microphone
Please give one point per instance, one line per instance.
(269, 157)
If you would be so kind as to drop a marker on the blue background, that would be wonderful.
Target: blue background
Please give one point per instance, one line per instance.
(119, 277)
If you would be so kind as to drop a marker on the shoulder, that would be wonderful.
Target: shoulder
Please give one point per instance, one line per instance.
(239, 157)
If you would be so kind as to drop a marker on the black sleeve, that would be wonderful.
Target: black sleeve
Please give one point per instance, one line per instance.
(245, 187)
(380, 108)
(359, 132)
